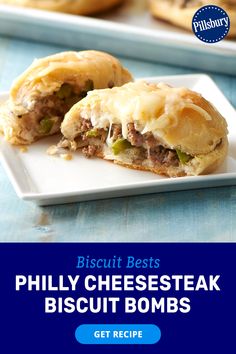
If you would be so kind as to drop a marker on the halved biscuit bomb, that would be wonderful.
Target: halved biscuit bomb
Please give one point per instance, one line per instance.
(153, 127)
(42, 95)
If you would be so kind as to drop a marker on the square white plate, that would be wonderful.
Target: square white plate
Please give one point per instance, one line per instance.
(127, 30)
(50, 180)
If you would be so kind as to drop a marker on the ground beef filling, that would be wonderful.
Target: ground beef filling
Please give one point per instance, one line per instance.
(51, 106)
(49, 111)
(44, 109)
(155, 151)
(146, 146)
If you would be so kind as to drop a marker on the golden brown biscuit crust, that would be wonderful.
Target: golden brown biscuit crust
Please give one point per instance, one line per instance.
(47, 74)
(45, 77)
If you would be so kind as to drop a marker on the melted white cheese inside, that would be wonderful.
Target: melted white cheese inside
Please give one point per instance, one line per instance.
(150, 107)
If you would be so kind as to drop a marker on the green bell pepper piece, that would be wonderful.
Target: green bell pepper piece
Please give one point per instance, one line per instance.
(45, 125)
(120, 145)
(92, 133)
(65, 91)
(183, 157)
(88, 86)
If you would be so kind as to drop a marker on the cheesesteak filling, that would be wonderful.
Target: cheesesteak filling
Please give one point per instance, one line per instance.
(48, 112)
(137, 148)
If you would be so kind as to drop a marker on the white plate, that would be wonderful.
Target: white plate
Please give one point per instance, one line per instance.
(128, 30)
(50, 180)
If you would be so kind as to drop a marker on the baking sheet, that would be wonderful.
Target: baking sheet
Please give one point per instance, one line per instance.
(128, 30)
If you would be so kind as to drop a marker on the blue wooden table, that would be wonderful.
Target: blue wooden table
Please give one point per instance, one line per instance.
(199, 215)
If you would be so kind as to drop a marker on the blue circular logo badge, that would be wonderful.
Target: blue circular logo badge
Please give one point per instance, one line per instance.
(211, 24)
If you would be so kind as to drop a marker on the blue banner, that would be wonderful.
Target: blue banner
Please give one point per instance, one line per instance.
(104, 298)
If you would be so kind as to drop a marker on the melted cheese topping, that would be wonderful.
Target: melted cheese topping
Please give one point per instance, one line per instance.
(150, 107)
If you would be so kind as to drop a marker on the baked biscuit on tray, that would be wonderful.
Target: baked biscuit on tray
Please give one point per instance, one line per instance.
(180, 12)
(79, 7)
(42, 95)
(153, 127)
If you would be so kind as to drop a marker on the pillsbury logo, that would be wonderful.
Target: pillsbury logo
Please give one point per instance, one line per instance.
(211, 24)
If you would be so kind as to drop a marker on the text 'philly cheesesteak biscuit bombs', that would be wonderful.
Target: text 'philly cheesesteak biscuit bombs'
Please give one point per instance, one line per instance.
(42, 95)
(153, 127)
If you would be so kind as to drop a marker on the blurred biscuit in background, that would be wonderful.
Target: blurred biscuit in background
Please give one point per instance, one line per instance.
(79, 7)
(180, 12)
